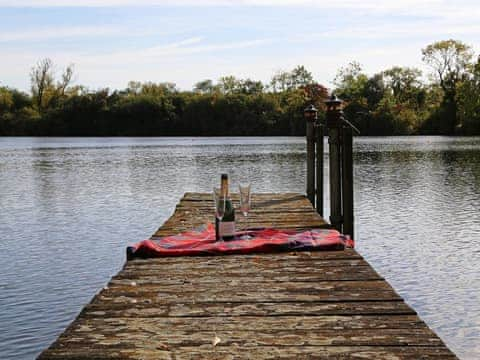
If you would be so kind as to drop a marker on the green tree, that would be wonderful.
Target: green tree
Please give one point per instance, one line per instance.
(280, 81)
(6, 100)
(350, 85)
(374, 90)
(468, 98)
(403, 81)
(291, 80)
(229, 84)
(300, 77)
(205, 87)
(449, 60)
(251, 87)
(408, 98)
(16, 114)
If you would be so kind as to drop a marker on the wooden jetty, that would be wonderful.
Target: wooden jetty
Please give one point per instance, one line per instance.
(298, 305)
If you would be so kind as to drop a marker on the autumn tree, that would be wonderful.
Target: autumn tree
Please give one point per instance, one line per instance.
(65, 80)
(44, 89)
(42, 82)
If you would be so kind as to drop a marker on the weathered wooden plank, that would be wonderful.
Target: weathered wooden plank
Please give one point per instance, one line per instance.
(147, 308)
(220, 352)
(253, 216)
(259, 205)
(236, 291)
(282, 259)
(250, 275)
(147, 334)
(163, 297)
(250, 323)
(226, 263)
(178, 225)
(196, 196)
(206, 207)
(295, 287)
(175, 226)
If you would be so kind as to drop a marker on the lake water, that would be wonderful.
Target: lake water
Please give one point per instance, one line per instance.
(70, 206)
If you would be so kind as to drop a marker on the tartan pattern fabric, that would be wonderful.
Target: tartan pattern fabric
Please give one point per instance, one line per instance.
(202, 242)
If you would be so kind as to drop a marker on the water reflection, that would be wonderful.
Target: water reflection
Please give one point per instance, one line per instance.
(419, 223)
(68, 208)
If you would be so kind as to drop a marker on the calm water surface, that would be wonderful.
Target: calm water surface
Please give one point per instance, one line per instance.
(69, 207)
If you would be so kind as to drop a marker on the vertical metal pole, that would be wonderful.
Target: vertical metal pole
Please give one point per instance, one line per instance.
(311, 160)
(335, 177)
(319, 167)
(347, 181)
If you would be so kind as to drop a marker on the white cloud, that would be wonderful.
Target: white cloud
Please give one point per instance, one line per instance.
(115, 68)
(58, 32)
(429, 8)
(172, 51)
(382, 31)
(338, 3)
(351, 4)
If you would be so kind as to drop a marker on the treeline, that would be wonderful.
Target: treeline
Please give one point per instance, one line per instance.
(397, 101)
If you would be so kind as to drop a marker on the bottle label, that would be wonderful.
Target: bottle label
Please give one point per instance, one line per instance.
(227, 228)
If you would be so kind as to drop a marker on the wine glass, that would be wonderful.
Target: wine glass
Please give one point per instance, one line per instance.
(245, 202)
(219, 202)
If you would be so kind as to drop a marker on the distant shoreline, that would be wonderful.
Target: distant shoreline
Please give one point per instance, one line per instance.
(222, 136)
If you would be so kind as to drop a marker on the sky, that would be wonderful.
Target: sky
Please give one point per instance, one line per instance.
(111, 42)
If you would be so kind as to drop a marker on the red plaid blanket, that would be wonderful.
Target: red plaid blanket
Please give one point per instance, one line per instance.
(203, 242)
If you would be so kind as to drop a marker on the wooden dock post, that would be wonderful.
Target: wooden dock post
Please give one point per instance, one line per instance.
(347, 180)
(334, 126)
(310, 115)
(319, 167)
(340, 140)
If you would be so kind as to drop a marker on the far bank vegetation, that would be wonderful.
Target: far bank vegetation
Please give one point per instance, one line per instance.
(396, 101)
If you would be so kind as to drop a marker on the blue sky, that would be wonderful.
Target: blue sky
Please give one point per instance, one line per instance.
(111, 42)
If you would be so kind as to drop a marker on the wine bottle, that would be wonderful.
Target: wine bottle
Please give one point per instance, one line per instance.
(227, 225)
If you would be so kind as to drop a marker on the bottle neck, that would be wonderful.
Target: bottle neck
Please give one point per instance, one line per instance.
(224, 187)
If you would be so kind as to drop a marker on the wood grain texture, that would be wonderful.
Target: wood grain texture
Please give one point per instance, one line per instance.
(297, 305)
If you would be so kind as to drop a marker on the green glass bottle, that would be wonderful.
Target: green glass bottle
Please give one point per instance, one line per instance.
(227, 225)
